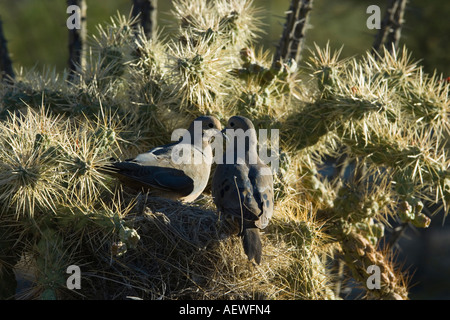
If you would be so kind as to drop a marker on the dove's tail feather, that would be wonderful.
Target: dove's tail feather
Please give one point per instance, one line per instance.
(252, 244)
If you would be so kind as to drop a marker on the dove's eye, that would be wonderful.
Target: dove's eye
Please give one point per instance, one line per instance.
(210, 125)
(232, 124)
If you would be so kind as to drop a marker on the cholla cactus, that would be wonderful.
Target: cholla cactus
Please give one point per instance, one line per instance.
(386, 114)
(29, 175)
(363, 109)
(199, 72)
(233, 21)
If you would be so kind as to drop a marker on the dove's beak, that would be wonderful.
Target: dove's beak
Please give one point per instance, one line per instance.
(214, 133)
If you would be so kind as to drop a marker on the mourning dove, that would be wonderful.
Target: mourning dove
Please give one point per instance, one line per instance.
(242, 186)
(164, 173)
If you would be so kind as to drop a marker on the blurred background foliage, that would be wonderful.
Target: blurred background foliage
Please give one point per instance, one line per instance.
(37, 34)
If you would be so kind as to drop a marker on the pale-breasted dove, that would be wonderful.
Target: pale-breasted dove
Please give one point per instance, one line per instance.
(243, 185)
(178, 170)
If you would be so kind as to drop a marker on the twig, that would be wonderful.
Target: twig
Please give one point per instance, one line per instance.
(146, 10)
(77, 39)
(293, 35)
(240, 204)
(390, 32)
(6, 70)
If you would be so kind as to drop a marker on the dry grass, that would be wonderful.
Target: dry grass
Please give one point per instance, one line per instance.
(56, 136)
(188, 252)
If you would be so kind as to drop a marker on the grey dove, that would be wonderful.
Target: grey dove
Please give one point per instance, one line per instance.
(242, 186)
(164, 173)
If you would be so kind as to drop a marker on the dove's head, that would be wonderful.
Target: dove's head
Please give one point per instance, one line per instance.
(203, 129)
(239, 122)
(242, 134)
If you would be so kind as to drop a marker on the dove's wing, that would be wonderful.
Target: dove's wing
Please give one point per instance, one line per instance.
(262, 193)
(241, 189)
(164, 178)
(158, 156)
(155, 169)
(233, 191)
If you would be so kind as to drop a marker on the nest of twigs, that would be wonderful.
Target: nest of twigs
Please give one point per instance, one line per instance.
(185, 251)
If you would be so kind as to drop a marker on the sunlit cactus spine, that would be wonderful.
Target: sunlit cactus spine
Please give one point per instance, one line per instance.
(29, 172)
(198, 72)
